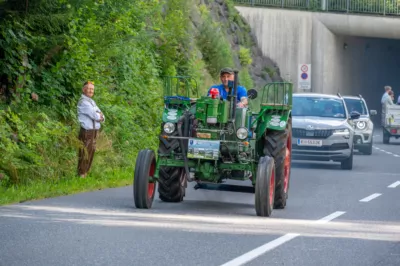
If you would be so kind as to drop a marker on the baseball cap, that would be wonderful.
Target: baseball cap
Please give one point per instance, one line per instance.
(226, 70)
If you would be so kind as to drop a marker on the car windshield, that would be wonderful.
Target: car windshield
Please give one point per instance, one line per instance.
(357, 105)
(318, 106)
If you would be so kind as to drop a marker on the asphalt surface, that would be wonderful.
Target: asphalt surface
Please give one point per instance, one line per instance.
(330, 219)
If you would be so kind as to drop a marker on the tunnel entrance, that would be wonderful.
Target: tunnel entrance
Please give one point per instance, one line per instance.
(369, 64)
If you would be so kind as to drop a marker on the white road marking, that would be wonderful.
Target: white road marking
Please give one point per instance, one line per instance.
(252, 254)
(330, 217)
(387, 152)
(371, 197)
(395, 184)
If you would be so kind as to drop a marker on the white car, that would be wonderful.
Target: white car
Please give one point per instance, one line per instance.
(322, 129)
(364, 128)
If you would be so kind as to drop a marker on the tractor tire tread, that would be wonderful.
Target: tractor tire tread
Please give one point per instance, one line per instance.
(275, 146)
(169, 184)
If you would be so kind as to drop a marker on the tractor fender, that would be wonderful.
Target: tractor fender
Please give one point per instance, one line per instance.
(273, 122)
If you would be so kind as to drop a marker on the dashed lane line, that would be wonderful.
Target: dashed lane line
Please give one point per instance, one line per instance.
(252, 254)
(387, 152)
(395, 184)
(371, 197)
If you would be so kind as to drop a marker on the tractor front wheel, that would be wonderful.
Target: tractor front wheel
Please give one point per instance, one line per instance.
(143, 184)
(265, 186)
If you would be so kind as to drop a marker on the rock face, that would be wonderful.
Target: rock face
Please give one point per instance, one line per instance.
(262, 69)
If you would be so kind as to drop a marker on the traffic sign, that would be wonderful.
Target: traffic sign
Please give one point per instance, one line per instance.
(304, 77)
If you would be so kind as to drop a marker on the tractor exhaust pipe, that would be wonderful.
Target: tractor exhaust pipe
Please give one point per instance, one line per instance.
(233, 95)
(184, 119)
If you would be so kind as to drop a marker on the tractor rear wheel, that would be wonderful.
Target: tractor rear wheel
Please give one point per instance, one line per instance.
(265, 186)
(143, 185)
(171, 184)
(278, 144)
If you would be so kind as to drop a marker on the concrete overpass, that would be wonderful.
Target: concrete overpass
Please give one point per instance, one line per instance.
(349, 53)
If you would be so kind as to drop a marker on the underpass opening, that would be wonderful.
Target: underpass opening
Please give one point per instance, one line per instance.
(368, 65)
(350, 54)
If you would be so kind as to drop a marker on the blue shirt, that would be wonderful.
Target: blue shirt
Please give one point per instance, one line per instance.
(222, 92)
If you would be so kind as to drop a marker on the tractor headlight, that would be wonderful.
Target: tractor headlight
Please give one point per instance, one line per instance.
(242, 133)
(169, 127)
(361, 125)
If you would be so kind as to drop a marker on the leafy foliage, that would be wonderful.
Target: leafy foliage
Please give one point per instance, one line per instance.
(50, 47)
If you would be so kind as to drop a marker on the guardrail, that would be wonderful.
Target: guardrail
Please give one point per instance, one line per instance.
(376, 7)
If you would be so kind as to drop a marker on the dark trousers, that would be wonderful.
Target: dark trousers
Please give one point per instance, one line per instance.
(88, 139)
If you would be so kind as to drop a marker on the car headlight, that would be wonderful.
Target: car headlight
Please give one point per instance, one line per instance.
(342, 131)
(242, 133)
(361, 125)
(169, 127)
(345, 132)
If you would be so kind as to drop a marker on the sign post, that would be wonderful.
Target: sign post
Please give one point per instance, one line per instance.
(304, 77)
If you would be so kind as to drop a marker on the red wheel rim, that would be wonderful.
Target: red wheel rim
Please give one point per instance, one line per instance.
(287, 163)
(151, 186)
(272, 186)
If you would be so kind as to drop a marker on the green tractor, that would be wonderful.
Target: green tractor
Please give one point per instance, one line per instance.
(208, 140)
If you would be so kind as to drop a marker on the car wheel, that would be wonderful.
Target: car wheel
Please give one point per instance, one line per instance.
(368, 150)
(386, 137)
(348, 163)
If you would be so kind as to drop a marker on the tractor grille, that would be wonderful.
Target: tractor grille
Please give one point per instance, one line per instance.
(318, 133)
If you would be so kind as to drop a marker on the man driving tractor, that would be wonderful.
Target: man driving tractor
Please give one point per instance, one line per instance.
(226, 74)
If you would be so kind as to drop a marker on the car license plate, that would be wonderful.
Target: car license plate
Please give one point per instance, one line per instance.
(203, 149)
(309, 142)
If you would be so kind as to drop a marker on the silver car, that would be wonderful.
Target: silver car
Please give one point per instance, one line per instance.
(364, 128)
(322, 129)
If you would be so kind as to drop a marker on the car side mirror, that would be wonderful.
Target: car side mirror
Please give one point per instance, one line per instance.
(373, 112)
(354, 115)
(252, 94)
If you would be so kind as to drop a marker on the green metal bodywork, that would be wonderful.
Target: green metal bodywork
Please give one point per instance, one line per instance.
(237, 159)
(276, 107)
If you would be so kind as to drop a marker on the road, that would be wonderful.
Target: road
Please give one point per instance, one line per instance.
(333, 217)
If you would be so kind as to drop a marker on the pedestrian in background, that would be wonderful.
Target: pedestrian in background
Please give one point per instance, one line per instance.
(386, 98)
(90, 117)
(389, 100)
(386, 94)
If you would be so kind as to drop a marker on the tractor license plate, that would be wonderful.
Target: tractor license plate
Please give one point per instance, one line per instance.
(309, 142)
(203, 149)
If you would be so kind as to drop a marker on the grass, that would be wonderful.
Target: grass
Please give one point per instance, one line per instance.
(67, 186)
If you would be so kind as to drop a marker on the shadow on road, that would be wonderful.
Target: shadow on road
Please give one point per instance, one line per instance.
(316, 165)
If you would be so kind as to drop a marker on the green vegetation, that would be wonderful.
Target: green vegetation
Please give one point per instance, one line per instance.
(50, 47)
